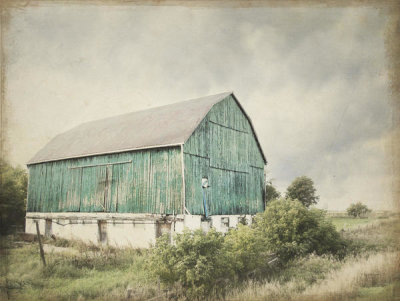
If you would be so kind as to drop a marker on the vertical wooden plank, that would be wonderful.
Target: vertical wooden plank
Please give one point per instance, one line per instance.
(60, 186)
(74, 190)
(109, 204)
(46, 191)
(178, 180)
(33, 194)
(99, 186)
(134, 203)
(123, 187)
(58, 177)
(56, 184)
(85, 205)
(114, 188)
(141, 171)
(147, 195)
(38, 174)
(42, 183)
(32, 188)
(159, 172)
(67, 181)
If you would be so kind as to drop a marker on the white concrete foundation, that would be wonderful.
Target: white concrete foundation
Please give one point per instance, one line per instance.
(123, 230)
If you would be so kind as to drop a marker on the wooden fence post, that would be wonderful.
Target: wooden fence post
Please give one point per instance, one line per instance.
(40, 243)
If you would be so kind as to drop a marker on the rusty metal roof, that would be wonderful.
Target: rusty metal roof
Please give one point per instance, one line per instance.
(152, 128)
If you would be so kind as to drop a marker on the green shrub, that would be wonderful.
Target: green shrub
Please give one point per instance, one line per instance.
(13, 191)
(203, 263)
(197, 261)
(358, 210)
(248, 251)
(291, 230)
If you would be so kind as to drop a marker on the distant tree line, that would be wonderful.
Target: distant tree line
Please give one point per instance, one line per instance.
(302, 189)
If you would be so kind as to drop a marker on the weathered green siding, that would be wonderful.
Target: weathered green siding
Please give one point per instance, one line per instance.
(224, 149)
(148, 181)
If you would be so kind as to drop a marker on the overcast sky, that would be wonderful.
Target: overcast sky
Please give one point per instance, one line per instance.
(313, 80)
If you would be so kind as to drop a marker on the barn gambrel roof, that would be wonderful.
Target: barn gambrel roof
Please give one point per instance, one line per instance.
(157, 127)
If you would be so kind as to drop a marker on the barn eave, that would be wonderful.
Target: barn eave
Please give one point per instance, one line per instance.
(106, 153)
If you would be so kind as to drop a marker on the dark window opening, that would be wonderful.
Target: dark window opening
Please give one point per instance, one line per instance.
(48, 228)
(102, 231)
(163, 228)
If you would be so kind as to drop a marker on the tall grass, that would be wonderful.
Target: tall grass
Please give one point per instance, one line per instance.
(372, 270)
(89, 273)
(338, 284)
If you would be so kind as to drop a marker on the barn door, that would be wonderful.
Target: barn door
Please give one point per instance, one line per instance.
(96, 188)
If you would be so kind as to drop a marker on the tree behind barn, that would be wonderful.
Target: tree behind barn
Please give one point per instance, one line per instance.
(271, 193)
(302, 189)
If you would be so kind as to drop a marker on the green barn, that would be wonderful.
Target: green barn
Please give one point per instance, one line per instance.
(130, 178)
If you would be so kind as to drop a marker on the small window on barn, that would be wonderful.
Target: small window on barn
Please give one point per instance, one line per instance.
(48, 228)
(102, 231)
(163, 228)
(225, 222)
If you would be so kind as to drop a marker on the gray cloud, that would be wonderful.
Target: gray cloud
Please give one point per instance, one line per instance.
(313, 80)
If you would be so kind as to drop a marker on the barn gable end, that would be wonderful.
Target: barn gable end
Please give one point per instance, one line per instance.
(225, 150)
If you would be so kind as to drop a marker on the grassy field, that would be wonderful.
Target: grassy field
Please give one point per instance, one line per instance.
(343, 222)
(349, 222)
(76, 271)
